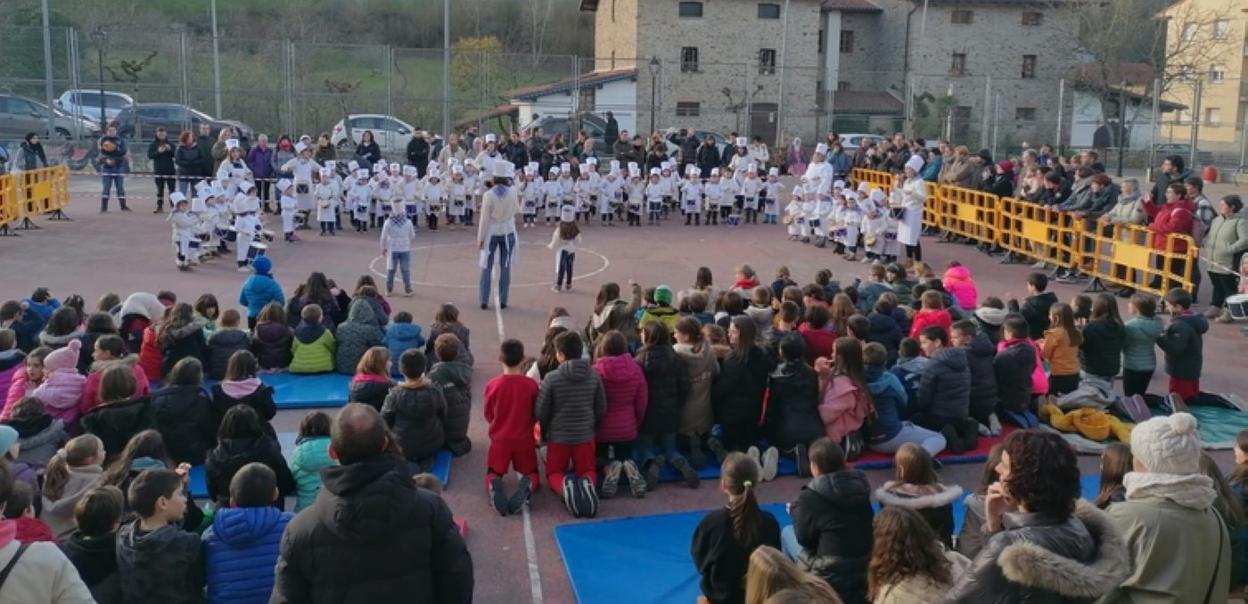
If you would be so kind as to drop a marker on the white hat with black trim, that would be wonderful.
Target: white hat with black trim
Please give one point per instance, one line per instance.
(742, 141)
(490, 138)
(503, 169)
(567, 214)
(300, 147)
(821, 149)
(231, 144)
(773, 171)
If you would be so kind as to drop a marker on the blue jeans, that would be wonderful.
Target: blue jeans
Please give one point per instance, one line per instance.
(108, 180)
(650, 445)
(186, 186)
(933, 442)
(504, 245)
(401, 261)
(788, 542)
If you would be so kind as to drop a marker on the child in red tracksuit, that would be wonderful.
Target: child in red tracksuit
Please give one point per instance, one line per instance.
(570, 402)
(933, 313)
(509, 402)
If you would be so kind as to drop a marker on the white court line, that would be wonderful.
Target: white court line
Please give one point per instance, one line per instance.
(530, 544)
(372, 267)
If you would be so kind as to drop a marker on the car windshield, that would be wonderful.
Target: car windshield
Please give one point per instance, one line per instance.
(111, 101)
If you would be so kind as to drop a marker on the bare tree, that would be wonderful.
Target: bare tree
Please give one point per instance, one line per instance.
(342, 91)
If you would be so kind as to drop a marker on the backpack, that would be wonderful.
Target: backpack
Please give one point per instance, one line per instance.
(1199, 228)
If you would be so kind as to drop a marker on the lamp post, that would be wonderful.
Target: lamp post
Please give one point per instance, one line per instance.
(98, 37)
(653, 66)
(1122, 121)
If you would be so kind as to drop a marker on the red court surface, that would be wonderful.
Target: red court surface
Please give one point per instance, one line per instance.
(127, 252)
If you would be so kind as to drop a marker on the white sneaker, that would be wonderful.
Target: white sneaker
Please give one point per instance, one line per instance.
(244, 269)
(771, 457)
(994, 425)
(754, 454)
(1040, 266)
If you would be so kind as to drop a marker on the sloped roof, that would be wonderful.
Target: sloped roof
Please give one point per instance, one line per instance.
(592, 78)
(850, 6)
(1098, 74)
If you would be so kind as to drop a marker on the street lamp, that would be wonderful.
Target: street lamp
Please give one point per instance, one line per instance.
(98, 37)
(654, 67)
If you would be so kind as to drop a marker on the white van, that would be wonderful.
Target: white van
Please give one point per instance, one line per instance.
(86, 103)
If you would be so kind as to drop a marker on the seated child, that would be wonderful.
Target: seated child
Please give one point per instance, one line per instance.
(110, 350)
(697, 303)
(371, 382)
(932, 314)
(760, 310)
(272, 343)
(311, 455)
(916, 485)
(980, 353)
(888, 429)
(696, 415)
(415, 410)
(883, 327)
(831, 529)
(241, 546)
(402, 335)
(943, 400)
(1061, 349)
(820, 342)
(12, 360)
(455, 378)
(72, 472)
(1014, 366)
(430, 483)
(845, 401)
(570, 402)
(1082, 307)
(20, 508)
(182, 413)
(909, 369)
(1035, 308)
(225, 341)
(356, 335)
(667, 385)
(446, 320)
(1116, 461)
(312, 348)
(721, 545)
(989, 316)
(157, 560)
(875, 286)
(241, 440)
(242, 386)
(509, 401)
(92, 548)
(901, 283)
(38, 434)
(793, 420)
(62, 385)
(961, 285)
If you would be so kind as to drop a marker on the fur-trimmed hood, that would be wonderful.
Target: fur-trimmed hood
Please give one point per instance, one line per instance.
(917, 498)
(130, 360)
(1034, 566)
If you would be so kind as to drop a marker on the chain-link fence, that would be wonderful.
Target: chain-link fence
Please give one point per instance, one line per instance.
(276, 86)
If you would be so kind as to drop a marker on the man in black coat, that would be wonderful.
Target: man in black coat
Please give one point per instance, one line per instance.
(418, 152)
(707, 157)
(161, 153)
(611, 133)
(514, 150)
(204, 144)
(688, 150)
(371, 536)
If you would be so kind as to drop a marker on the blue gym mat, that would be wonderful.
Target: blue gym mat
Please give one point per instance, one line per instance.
(319, 390)
(199, 485)
(785, 467)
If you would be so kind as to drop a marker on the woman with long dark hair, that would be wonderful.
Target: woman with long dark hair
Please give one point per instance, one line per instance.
(737, 396)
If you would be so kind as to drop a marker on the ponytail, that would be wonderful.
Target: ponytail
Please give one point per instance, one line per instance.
(740, 473)
(78, 452)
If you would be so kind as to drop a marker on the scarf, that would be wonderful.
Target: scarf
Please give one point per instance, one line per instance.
(1193, 491)
(600, 318)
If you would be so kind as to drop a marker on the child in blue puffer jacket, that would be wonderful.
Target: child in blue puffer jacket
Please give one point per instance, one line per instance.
(241, 546)
(401, 336)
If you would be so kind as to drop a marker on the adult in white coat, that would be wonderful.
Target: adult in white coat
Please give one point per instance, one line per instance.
(909, 198)
(496, 232)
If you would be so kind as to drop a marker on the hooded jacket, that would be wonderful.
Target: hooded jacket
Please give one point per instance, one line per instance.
(624, 385)
(945, 388)
(91, 389)
(12, 362)
(418, 418)
(231, 454)
(1037, 558)
(616, 315)
(312, 349)
(258, 291)
(888, 396)
(934, 502)
(737, 395)
(667, 385)
(455, 378)
(57, 342)
(1013, 366)
(369, 389)
(95, 558)
(115, 423)
(1100, 354)
(39, 437)
(165, 565)
(1182, 342)
(930, 317)
(372, 536)
(61, 391)
(187, 341)
(1035, 309)
(702, 367)
(843, 407)
(885, 331)
(42, 574)
(401, 337)
(183, 415)
(570, 402)
(240, 551)
(1139, 343)
(311, 455)
(359, 333)
(919, 589)
(989, 320)
(251, 392)
(1173, 218)
(959, 283)
(832, 522)
(59, 514)
(221, 346)
(272, 345)
(793, 406)
(984, 396)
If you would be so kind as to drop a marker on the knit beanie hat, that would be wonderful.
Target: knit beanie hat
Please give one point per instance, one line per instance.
(63, 358)
(663, 294)
(1168, 444)
(262, 265)
(8, 437)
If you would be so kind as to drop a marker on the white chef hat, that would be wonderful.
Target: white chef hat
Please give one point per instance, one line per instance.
(565, 167)
(353, 165)
(395, 168)
(231, 144)
(283, 184)
(176, 198)
(878, 196)
(915, 163)
(470, 163)
(838, 184)
(530, 170)
(503, 169)
(327, 171)
(821, 148)
(433, 175)
(361, 173)
(654, 171)
(567, 214)
(410, 171)
(751, 168)
(615, 165)
(489, 138)
(457, 169)
(300, 147)
(554, 171)
(714, 171)
(634, 170)
(741, 141)
(331, 164)
(773, 171)
(380, 165)
(246, 186)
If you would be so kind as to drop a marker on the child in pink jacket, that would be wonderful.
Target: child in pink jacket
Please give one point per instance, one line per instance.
(961, 285)
(62, 385)
(844, 400)
(25, 381)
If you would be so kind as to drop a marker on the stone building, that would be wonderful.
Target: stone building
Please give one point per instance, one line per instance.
(1207, 40)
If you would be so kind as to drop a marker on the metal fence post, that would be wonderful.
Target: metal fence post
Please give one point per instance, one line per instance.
(1195, 131)
(1061, 112)
(388, 54)
(983, 132)
(71, 45)
(47, 68)
(184, 74)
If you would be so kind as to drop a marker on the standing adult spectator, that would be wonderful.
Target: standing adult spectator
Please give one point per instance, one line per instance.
(656, 157)
(1046, 545)
(611, 133)
(204, 143)
(759, 153)
(689, 150)
(514, 150)
(367, 152)
(418, 152)
(34, 572)
(1178, 542)
(161, 152)
(536, 144)
(372, 535)
(1174, 216)
(622, 146)
(113, 166)
(469, 135)
(453, 152)
(30, 156)
(188, 161)
(839, 162)
(284, 154)
(260, 162)
(496, 233)
(323, 151)
(1222, 250)
(219, 150)
(396, 247)
(583, 148)
(1172, 171)
(795, 159)
(436, 145)
(707, 157)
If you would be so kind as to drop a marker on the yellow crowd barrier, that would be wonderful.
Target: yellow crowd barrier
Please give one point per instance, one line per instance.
(1126, 255)
(34, 192)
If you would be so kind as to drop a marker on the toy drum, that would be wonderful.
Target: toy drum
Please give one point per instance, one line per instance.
(268, 235)
(231, 234)
(890, 236)
(814, 223)
(734, 220)
(193, 244)
(256, 250)
(839, 233)
(411, 210)
(1238, 305)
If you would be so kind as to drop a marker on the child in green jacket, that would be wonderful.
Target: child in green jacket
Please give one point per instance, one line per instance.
(310, 456)
(313, 345)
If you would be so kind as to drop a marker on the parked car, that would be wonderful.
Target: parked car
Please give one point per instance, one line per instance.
(86, 103)
(569, 126)
(391, 133)
(19, 115)
(139, 122)
(673, 150)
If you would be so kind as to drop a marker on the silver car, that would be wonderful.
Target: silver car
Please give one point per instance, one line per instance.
(20, 115)
(87, 103)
